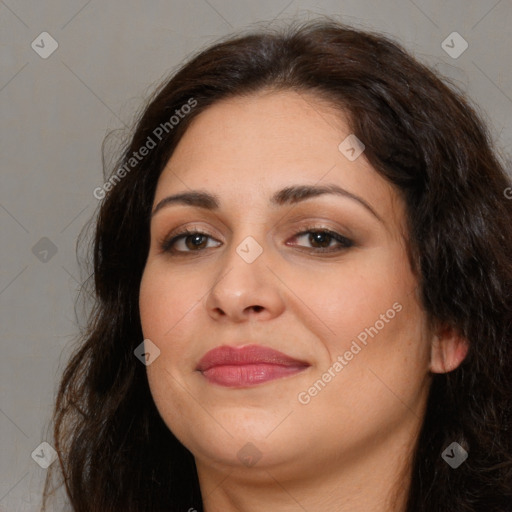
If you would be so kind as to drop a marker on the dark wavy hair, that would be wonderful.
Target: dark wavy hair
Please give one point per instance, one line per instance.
(425, 138)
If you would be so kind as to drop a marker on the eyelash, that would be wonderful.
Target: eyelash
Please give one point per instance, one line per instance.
(168, 244)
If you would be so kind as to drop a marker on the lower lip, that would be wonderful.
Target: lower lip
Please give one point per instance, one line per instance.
(249, 374)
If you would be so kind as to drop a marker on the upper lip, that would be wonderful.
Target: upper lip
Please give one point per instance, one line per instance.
(248, 354)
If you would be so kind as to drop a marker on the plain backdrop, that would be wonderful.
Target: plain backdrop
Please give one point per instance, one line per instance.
(55, 110)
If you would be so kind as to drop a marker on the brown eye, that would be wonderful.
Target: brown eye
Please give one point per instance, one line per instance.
(197, 241)
(187, 241)
(322, 240)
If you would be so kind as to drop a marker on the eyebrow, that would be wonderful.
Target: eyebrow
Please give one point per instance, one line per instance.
(285, 196)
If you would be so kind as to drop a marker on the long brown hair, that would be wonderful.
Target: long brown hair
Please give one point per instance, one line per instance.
(423, 136)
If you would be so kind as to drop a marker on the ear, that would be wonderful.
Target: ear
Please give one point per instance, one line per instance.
(448, 350)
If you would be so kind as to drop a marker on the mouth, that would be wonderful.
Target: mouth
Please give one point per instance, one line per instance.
(247, 366)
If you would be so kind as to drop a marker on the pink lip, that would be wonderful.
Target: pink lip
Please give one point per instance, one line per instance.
(247, 366)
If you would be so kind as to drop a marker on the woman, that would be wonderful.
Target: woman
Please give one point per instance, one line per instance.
(302, 271)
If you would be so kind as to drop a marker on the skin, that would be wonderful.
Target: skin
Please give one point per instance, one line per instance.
(347, 448)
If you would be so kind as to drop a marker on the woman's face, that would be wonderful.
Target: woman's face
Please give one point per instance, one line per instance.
(262, 271)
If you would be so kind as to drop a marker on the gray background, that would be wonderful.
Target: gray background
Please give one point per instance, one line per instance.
(55, 112)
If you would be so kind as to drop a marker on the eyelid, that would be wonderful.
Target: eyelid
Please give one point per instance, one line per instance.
(345, 241)
(181, 232)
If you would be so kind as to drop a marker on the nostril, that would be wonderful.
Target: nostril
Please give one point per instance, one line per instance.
(257, 308)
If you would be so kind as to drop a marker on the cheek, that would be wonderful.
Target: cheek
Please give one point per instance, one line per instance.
(381, 380)
(166, 298)
(363, 295)
(166, 302)
(171, 303)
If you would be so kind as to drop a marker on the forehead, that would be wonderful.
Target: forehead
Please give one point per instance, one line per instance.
(251, 146)
(268, 125)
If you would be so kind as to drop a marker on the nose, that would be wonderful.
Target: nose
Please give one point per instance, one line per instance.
(243, 291)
